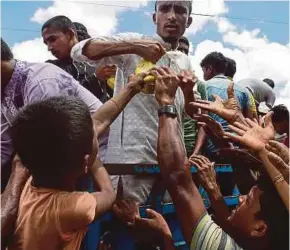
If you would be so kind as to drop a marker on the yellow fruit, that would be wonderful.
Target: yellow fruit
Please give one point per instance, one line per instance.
(144, 67)
(111, 82)
(149, 78)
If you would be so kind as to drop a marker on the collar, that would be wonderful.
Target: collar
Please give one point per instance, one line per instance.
(220, 77)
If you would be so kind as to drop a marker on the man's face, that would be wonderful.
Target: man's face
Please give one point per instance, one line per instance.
(172, 18)
(58, 43)
(244, 218)
(183, 47)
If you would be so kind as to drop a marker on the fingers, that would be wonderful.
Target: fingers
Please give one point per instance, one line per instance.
(237, 130)
(250, 123)
(230, 90)
(241, 126)
(272, 149)
(217, 98)
(204, 106)
(268, 119)
(233, 137)
(277, 161)
(151, 213)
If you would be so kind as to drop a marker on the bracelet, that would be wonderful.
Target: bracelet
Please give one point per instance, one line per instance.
(278, 178)
(115, 104)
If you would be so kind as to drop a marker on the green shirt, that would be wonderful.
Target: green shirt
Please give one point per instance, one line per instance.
(190, 126)
(208, 235)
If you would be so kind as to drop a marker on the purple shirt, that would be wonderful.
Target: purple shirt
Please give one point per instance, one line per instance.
(32, 82)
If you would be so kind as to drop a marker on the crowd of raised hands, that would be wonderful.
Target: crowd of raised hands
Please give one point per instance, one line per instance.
(256, 146)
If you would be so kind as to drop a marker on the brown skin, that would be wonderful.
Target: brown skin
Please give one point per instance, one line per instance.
(10, 200)
(176, 175)
(172, 18)
(58, 42)
(282, 127)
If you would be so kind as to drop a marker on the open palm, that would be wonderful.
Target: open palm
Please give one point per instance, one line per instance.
(227, 109)
(253, 136)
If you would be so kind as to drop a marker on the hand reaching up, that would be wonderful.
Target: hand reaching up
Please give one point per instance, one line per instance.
(253, 136)
(279, 149)
(206, 172)
(228, 109)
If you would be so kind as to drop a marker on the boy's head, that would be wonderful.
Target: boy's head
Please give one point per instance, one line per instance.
(82, 31)
(280, 119)
(60, 35)
(183, 45)
(231, 68)
(261, 216)
(213, 64)
(55, 138)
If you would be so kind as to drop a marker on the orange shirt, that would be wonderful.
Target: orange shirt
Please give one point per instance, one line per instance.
(52, 219)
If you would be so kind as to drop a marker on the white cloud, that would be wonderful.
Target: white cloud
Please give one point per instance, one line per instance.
(100, 18)
(31, 51)
(255, 56)
(210, 7)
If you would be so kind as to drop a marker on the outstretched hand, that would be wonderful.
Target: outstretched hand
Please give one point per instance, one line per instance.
(206, 172)
(228, 109)
(154, 225)
(252, 136)
(166, 85)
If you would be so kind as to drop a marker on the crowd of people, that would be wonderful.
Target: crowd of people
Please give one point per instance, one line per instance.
(64, 119)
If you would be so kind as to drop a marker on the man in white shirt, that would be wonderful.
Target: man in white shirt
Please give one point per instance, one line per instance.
(133, 136)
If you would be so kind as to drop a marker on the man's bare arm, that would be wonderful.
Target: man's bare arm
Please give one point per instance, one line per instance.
(174, 166)
(108, 112)
(150, 50)
(10, 201)
(106, 196)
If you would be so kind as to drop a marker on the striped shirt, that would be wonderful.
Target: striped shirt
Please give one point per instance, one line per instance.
(209, 236)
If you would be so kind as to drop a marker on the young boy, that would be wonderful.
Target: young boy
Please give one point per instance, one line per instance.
(55, 140)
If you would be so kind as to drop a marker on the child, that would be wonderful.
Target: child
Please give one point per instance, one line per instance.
(55, 140)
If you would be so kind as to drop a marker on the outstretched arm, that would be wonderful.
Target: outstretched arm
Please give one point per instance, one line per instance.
(10, 200)
(174, 166)
(108, 112)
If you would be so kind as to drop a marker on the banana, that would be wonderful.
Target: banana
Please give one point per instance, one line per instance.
(143, 67)
(111, 82)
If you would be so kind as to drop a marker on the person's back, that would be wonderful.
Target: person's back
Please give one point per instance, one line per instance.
(52, 219)
(218, 85)
(56, 141)
(261, 91)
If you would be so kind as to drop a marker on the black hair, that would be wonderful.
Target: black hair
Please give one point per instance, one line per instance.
(6, 53)
(189, 2)
(270, 82)
(183, 39)
(53, 136)
(281, 113)
(82, 31)
(274, 213)
(61, 23)
(217, 60)
(231, 68)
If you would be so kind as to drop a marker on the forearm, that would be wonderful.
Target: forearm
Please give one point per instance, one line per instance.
(175, 171)
(188, 98)
(10, 201)
(200, 140)
(108, 112)
(97, 49)
(168, 243)
(106, 196)
(101, 177)
(220, 208)
(282, 187)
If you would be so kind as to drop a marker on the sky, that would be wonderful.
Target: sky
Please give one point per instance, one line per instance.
(253, 33)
